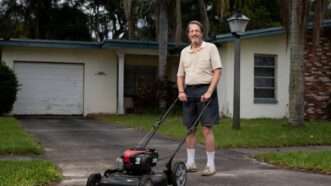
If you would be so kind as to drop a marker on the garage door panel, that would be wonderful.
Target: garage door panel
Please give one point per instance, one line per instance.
(49, 88)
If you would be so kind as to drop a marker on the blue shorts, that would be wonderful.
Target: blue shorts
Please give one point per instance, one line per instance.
(193, 106)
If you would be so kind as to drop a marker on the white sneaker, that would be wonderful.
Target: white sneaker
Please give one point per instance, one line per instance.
(191, 167)
(208, 171)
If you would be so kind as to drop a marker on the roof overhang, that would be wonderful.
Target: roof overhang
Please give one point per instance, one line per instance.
(86, 44)
(49, 43)
(223, 38)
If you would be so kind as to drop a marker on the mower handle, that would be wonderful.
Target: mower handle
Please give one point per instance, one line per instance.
(143, 143)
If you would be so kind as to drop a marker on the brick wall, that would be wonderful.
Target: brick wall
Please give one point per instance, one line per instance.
(317, 74)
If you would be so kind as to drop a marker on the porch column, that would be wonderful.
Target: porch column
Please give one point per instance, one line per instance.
(120, 83)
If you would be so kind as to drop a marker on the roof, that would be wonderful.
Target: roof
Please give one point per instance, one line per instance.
(83, 44)
(138, 44)
(49, 43)
(222, 38)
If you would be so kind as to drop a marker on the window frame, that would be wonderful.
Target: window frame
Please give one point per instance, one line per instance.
(260, 100)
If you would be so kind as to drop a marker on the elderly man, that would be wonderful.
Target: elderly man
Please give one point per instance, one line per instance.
(198, 74)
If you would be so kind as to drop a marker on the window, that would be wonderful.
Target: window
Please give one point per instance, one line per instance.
(264, 78)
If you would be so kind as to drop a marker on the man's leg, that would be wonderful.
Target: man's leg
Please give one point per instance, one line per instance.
(209, 139)
(190, 149)
(210, 151)
(189, 115)
(191, 140)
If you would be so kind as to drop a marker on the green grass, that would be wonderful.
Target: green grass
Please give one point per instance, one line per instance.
(14, 140)
(253, 133)
(319, 162)
(28, 173)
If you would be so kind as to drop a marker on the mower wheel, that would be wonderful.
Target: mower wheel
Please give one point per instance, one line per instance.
(93, 179)
(146, 181)
(178, 174)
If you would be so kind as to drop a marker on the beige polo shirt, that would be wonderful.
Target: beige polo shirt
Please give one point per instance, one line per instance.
(197, 67)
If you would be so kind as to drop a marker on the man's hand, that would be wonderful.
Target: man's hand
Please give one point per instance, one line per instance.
(205, 97)
(182, 96)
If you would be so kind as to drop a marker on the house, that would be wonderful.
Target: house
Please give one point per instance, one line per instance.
(67, 77)
(77, 78)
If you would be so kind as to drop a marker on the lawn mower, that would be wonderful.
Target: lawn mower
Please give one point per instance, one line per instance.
(135, 166)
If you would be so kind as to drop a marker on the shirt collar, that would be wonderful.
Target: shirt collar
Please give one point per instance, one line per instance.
(203, 45)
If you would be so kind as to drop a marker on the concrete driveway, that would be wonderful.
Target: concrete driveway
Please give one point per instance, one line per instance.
(82, 146)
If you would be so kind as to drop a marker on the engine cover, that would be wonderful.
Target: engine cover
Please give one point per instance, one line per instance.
(138, 161)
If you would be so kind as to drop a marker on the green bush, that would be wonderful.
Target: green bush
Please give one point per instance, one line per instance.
(8, 88)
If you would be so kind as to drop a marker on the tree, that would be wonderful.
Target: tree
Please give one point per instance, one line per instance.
(127, 4)
(204, 16)
(296, 45)
(97, 17)
(294, 14)
(11, 19)
(117, 19)
(68, 23)
(179, 25)
(36, 17)
(262, 14)
(43, 19)
(163, 48)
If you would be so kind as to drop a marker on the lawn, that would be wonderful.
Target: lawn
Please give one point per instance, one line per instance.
(253, 132)
(14, 140)
(311, 161)
(28, 173)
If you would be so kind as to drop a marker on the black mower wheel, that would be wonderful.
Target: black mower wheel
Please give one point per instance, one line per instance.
(146, 181)
(178, 174)
(93, 180)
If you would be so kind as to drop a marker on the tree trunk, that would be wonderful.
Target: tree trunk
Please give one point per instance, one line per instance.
(178, 22)
(37, 21)
(129, 18)
(204, 17)
(296, 45)
(317, 24)
(163, 49)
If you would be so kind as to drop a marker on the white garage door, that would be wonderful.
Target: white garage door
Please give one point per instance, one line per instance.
(49, 88)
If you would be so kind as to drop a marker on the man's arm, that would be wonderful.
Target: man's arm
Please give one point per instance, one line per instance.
(213, 84)
(180, 85)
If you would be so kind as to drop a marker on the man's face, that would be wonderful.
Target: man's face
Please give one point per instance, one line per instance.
(194, 33)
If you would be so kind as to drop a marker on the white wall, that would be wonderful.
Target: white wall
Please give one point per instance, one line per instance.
(100, 91)
(275, 45)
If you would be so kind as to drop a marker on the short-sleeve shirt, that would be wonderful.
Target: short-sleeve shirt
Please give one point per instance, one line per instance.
(197, 67)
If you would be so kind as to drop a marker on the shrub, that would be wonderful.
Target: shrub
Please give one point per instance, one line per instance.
(8, 88)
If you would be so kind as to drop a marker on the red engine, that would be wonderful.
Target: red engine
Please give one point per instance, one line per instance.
(139, 160)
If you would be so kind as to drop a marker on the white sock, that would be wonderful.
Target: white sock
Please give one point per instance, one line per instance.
(190, 156)
(211, 160)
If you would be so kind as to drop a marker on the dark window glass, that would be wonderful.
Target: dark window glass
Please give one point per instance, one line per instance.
(259, 71)
(264, 93)
(264, 82)
(264, 60)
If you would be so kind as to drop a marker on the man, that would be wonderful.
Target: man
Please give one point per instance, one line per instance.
(198, 74)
